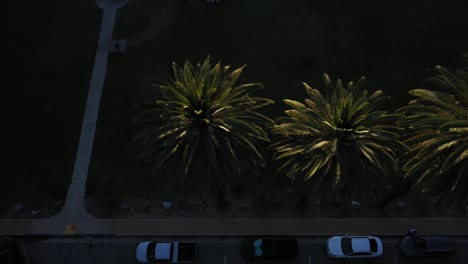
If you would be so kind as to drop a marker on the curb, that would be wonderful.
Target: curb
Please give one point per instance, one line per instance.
(239, 227)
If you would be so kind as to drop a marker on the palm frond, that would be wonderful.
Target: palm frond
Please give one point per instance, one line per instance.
(203, 130)
(330, 141)
(437, 125)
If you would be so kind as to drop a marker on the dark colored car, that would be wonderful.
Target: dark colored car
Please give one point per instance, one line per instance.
(422, 245)
(259, 248)
(12, 251)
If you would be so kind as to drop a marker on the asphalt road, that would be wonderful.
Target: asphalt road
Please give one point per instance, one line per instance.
(212, 250)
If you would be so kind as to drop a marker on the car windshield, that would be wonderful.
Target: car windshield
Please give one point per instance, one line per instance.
(150, 252)
(419, 245)
(373, 245)
(346, 245)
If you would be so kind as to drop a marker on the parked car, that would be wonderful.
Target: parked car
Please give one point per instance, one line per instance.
(13, 251)
(258, 248)
(354, 247)
(167, 252)
(413, 245)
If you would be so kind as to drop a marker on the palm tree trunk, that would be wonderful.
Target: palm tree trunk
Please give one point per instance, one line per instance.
(398, 189)
(222, 200)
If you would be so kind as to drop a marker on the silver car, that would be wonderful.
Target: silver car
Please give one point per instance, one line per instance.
(354, 247)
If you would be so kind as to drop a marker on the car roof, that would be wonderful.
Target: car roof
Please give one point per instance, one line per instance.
(271, 246)
(163, 251)
(438, 243)
(360, 244)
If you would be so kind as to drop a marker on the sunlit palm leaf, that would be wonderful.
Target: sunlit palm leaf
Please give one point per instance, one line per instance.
(202, 130)
(437, 124)
(339, 143)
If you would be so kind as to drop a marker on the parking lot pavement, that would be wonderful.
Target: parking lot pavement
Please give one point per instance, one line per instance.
(71, 253)
(212, 250)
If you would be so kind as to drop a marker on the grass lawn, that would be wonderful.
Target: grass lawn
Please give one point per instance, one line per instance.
(392, 43)
(50, 54)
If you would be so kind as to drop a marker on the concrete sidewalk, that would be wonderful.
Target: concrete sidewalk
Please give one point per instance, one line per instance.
(318, 227)
(74, 213)
(228, 227)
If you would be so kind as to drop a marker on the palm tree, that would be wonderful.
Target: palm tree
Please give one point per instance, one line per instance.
(202, 130)
(437, 124)
(339, 144)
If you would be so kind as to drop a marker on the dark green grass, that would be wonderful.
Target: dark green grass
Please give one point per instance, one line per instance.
(392, 43)
(50, 55)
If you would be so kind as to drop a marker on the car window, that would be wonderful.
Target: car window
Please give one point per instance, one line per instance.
(419, 245)
(373, 245)
(346, 246)
(150, 251)
(360, 254)
(438, 251)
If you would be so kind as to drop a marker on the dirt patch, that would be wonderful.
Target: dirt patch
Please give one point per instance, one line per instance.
(266, 198)
(258, 206)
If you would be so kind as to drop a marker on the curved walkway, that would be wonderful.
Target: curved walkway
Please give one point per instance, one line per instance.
(75, 213)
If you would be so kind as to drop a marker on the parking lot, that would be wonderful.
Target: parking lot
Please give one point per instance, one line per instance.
(212, 250)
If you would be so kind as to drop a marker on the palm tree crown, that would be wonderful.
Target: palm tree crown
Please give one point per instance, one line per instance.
(202, 129)
(339, 142)
(437, 124)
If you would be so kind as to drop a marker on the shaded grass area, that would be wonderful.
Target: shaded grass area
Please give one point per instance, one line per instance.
(50, 54)
(393, 43)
